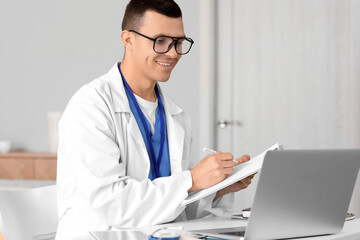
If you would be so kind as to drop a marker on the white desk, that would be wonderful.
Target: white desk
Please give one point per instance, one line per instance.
(350, 231)
(351, 228)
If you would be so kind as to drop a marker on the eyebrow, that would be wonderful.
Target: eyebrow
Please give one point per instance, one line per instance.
(165, 35)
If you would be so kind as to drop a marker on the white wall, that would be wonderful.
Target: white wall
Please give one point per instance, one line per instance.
(48, 49)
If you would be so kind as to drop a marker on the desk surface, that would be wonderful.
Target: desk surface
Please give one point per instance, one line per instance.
(351, 228)
(350, 231)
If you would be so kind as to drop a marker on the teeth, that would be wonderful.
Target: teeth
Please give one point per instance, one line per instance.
(164, 64)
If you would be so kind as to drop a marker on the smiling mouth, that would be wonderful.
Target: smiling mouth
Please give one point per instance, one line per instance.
(165, 64)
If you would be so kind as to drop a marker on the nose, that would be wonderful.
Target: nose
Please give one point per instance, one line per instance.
(172, 52)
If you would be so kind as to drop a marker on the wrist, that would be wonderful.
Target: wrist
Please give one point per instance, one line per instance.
(193, 186)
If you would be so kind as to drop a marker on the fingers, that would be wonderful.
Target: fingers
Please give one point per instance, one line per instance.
(225, 159)
(211, 170)
(214, 168)
(225, 156)
(244, 183)
(229, 157)
(243, 158)
(228, 170)
(225, 163)
(228, 164)
(252, 176)
(247, 180)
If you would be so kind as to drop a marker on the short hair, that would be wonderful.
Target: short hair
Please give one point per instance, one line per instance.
(135, 10)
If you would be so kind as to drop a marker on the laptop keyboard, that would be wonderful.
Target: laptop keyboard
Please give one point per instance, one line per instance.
(240, 232)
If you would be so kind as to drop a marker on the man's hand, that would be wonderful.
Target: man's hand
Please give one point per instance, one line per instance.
(242, 184)
(213, 169)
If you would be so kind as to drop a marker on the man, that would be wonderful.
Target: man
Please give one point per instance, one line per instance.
(124, 146)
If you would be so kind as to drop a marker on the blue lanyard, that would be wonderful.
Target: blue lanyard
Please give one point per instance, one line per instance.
(155, 162)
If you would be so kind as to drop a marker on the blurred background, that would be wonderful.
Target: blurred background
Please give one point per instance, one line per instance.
(260, 72)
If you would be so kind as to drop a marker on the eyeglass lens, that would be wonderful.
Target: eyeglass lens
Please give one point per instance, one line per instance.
(163, 44)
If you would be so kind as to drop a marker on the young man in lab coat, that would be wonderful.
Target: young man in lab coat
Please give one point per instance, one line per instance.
(124, 149)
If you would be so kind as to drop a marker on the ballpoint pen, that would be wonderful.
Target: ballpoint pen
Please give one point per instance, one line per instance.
(211, 151)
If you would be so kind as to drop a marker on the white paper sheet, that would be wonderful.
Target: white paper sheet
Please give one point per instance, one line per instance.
(240, 172)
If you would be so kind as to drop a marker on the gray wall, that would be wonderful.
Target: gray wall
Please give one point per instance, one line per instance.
(48, 49)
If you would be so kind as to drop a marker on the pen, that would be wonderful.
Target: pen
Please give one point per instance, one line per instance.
(211, 151)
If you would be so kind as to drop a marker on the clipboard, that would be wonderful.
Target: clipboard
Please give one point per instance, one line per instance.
(240, 172)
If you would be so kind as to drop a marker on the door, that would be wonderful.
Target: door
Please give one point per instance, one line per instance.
(287, 72)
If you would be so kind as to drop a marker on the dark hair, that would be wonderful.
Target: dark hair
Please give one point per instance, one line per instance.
(136, 9)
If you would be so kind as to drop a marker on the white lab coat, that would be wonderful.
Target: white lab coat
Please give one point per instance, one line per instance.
(103, 165)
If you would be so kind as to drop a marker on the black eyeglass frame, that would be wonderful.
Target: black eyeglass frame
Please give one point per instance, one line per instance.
(175, 39)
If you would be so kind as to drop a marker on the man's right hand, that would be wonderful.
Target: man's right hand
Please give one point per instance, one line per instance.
(212, 170)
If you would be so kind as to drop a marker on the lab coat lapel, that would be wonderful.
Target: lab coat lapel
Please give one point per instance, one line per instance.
(175, 133)
(135, 132)
(121, 105)
(134, 129)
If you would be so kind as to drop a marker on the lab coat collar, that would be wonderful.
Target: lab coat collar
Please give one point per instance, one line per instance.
(121, 102)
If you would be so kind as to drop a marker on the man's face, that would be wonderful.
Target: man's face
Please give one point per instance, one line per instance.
(151, 65)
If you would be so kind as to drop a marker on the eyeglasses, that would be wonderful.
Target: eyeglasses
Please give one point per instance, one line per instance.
(163, 44)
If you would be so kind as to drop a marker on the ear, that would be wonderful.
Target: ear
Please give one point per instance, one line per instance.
(127, 39)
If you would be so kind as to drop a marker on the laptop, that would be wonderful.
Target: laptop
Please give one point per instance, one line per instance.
(300, 193)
